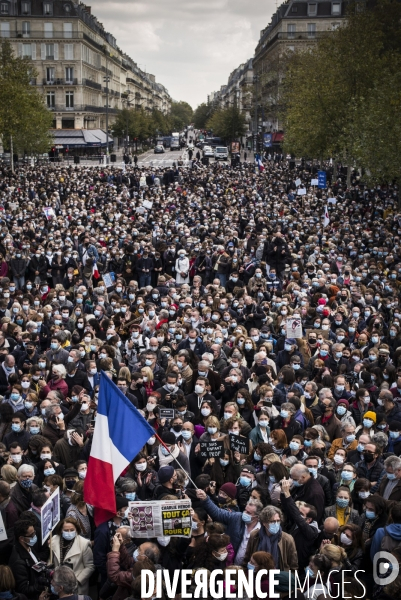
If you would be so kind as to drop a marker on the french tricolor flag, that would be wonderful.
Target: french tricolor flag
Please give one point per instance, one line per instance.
(95, 272)
(120, 433)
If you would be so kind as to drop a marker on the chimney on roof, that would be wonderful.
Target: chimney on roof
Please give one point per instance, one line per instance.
(88, 9)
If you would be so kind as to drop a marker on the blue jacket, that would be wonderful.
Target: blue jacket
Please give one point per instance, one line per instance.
(393, 530)
(233, 520)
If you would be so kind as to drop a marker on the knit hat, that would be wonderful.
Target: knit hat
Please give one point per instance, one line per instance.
(395, 426)
(322, 302)
(165, 473)
(229, 489)
(343, 401)
(370, 415)
(169, 438)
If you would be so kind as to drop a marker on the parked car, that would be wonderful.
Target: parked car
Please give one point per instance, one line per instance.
(208, 151)
(221, 153)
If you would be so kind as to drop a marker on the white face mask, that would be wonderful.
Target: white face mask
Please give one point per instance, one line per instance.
(140, 466)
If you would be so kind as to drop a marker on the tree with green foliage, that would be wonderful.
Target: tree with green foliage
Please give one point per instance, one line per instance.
(24, 117)
(181, 115)
(343, 96)
(202, 114)
(228, 123)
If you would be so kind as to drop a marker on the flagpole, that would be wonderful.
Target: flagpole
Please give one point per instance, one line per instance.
(176, 460)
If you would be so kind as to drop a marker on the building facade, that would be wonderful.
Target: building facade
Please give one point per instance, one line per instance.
(80, 69)
(296, 25)
(237, 92)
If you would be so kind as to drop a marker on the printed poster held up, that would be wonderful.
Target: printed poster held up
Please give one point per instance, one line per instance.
(293, 328)
(160, 518)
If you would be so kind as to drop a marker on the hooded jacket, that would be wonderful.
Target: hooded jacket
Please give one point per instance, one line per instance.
(392, 531)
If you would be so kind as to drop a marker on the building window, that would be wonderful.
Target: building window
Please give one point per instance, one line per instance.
(291, 48)
(48, 30)
(49, 51)
(50, 74)
(335, 26)
(26, 50)
(67, 8)
(5, 30)
(26, 28)
(291, 29)
(51, 99)
(312, 10)
(311, 30)
(4, 8)
(69, 99)
(294, 8)
(26, 8)
(336, 8)
(67, 123)
(69, 51)
(69, 74)
(47, 8)
(67, 30)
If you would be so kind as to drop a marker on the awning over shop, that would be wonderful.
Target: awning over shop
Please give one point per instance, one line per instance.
(80, 138)
(278, 138)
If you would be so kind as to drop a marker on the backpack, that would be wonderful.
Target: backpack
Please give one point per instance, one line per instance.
(388, 543)
(302, 420)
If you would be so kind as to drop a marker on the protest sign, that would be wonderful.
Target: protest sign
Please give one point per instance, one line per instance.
(147, 204)
(109, 279)
(301, 192)
(314, 182)
(166, 413)
(50, 514)
(3, 532)
(298, 182)
(239, 444)
(212, 449)
(160, 518)
(293, 328)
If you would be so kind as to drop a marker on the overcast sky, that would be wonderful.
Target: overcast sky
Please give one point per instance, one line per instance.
(191, 46)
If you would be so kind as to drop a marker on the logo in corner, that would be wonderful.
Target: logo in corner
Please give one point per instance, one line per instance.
(385, 568)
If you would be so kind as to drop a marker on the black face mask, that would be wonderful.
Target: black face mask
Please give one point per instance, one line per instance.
(177, 428)
(70, 483)
(369, 457)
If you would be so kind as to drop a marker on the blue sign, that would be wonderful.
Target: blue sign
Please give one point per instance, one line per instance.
(322, 177)
(267, 140)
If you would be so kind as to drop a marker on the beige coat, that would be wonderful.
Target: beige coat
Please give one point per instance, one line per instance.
(79, 557)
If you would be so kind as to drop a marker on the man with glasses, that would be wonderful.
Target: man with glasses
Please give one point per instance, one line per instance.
(271, 538)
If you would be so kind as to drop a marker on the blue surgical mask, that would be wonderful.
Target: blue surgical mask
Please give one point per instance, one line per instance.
(272, 479)
(245, 481)
(394, 434)
(16, 427)
(341, 410)
(370, 514)
(250, 567)
(342, 502)
(312, 471)
(246, 518)
(212, 430)
(347, 475)
(308, 571)
(186, 435)
(284, 414)
(367, 423)
(34, 430)
(390, 476)
(69, 535)
(256, 456)
(49, 471)
(224, 462)
(227, 416)
(274, 528)
(130, 496)
(308, 443)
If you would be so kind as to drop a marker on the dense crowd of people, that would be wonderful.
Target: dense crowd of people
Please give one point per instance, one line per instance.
(182, 286)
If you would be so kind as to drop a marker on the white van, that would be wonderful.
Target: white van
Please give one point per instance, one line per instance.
(221, 153)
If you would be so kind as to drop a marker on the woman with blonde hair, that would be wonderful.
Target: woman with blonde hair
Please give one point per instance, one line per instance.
(336, 555)
(9, 474)
(149, 381)
(125, 373)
